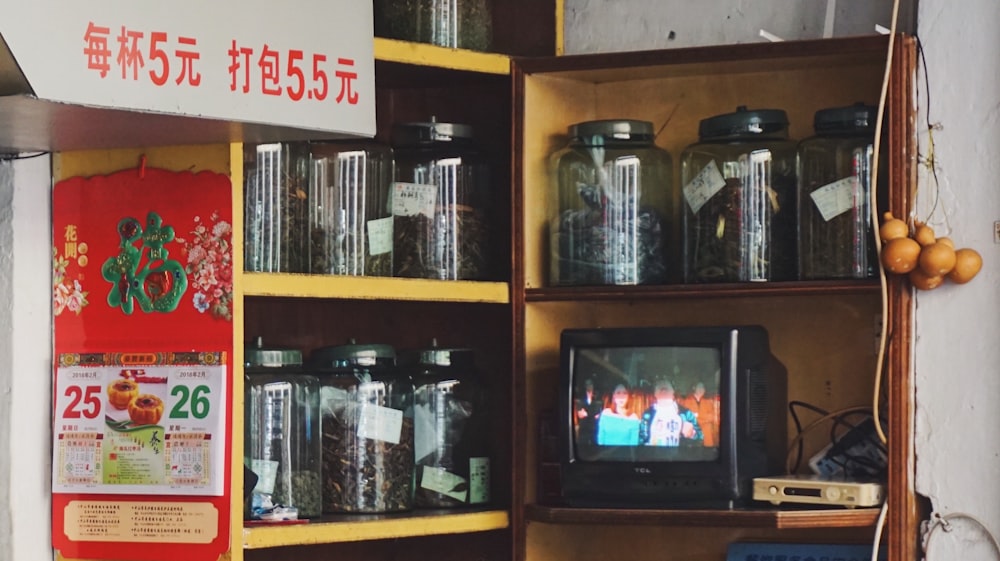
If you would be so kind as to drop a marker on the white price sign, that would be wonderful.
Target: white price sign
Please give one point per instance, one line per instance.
(240, 61)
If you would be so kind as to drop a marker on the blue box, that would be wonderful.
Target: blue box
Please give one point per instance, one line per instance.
(764, 551)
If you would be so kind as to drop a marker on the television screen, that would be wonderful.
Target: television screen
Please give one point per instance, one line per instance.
(646, 403)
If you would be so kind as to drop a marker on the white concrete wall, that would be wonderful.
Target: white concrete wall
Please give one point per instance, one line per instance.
(622, 25)
(25, 360)
(957, 361)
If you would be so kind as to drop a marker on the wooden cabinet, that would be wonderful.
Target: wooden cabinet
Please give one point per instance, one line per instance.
(416, 83)
(825, 333)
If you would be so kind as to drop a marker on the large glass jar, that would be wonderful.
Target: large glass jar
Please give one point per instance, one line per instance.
(836, 238)
(282, 438)
(462, 24)
(439, 200)
(611, 209)
(275, 213)
(367, 423)
(739, 217)
(350, 215)
(451, 429)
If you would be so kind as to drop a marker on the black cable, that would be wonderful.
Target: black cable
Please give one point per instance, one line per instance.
(11, 157)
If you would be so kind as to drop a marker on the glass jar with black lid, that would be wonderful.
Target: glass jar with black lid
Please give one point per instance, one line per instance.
(282, 429)
(367, 425)
(836, 238)
(451, 428)
(439, 202)
(739, 191)
(611, 208)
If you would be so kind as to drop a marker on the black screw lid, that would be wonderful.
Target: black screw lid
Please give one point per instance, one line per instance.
(744, 122)
(354, 354)
(256, 355)
(612, 129)
(411, 134)
(858, 118)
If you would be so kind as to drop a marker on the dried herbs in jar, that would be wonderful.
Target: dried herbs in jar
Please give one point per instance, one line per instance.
(367, 429)
(612, 207)
(276, 211)
(350, 215)
(739, 209)
(439, 198)
(836, 238)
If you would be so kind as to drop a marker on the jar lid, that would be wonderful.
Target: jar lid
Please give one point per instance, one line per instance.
(425, 133)
(446, 357)
(354, 355)
(256, 355)
(857, 118)
(744, 122)
(612, 129)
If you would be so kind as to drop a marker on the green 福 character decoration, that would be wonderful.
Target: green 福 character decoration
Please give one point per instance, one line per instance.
(159, 283)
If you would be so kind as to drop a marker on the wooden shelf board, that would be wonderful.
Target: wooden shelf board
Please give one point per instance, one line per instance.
(373, 288)
(721, 290)
(744, 518)
(351, 528)
(422, 54)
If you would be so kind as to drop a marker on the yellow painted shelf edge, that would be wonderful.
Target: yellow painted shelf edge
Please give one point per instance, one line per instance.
(373, 288)
(422, 54)
(402, 527)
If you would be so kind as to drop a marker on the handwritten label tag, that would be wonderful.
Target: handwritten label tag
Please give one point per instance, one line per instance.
(444, 482)
(380, 423)
(479, 480)
(834, 199)
(379, 236)
(704, 186)
(411, 199)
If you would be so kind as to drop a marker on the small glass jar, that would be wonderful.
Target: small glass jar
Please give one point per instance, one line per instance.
(739, 217)
(439, 200)
(350, 215)
(611, 208)
(451, 429)
(461, 24)
(282, 430)
(367, 423)
(836, 238)
(275, 213)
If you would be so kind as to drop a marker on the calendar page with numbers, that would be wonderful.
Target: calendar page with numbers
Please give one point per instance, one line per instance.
(142, 423)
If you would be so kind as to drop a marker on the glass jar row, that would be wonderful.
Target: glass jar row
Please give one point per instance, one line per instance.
(417, 208)
(754, 205)
(353, 431)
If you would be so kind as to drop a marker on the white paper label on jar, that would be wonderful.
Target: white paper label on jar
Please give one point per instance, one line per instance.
(834, 199)
(267, 474)
(444, 482)
(479, 480)
(379, 236)
(704, 186)
(380, 423)
(411, 199)
(425, 436)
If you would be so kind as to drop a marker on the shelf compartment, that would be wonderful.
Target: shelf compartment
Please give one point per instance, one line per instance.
(373, 288)
(352, 528)
(692, 291)
(743, 518)
(423, 54)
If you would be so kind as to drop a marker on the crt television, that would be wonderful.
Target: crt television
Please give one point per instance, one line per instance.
(669, 417)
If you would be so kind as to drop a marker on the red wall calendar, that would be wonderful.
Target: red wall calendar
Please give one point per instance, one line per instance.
(142, 296)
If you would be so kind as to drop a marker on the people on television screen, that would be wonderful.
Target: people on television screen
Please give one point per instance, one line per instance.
(666, 422)
(706, 410)
(618, 425)
(588, 410)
